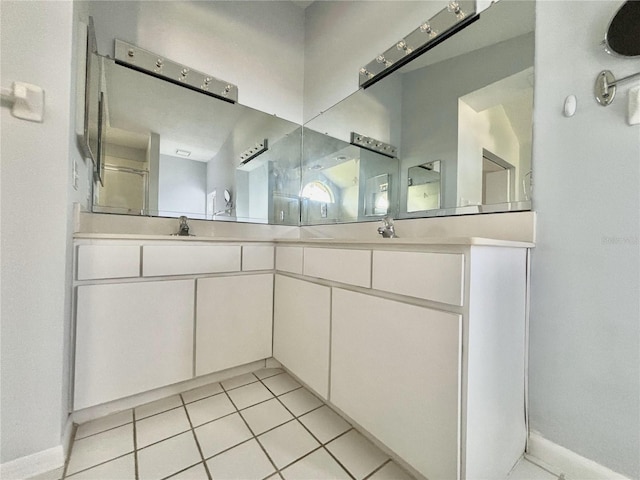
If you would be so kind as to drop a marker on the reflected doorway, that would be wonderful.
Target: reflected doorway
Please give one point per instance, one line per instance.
(498, 185)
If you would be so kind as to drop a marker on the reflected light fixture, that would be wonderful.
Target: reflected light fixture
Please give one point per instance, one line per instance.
(451, 19)
(250, 153)
(374, 145)
(183, 153)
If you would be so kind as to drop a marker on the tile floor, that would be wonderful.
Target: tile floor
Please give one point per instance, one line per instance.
(261, 425)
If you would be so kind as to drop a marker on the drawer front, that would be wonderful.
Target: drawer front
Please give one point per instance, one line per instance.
(340, 265)
(189, 259)
(432, 276)
(108, 261)
(257, 257)
(289, 259)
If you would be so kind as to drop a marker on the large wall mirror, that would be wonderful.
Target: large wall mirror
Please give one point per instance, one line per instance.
(171, 151)
(448, 133)
(460, 116)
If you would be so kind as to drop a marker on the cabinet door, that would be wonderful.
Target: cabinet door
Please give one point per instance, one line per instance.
(301, 330)
(395, 369)
(233, 321)
(131, 338)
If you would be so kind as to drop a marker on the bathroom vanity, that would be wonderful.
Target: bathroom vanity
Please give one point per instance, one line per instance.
(419, 342)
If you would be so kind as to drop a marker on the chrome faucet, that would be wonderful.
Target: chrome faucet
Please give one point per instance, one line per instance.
(387, 230)
(183, 230)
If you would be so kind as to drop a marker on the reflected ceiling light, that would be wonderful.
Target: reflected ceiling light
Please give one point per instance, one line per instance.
(183, 153)
(451, 19)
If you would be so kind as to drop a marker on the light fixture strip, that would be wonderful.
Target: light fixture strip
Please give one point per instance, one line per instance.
(457, 15)
(251, 153)
(374, 145)
(148, 62)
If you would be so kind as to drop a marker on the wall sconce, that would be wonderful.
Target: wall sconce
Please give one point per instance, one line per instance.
(251, 153)
(152, 64)
(448, 21)
(374, 145)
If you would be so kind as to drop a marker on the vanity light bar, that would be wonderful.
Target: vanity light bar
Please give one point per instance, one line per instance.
(158, 66)
(457, 15)
(374, 145)
(251, 153)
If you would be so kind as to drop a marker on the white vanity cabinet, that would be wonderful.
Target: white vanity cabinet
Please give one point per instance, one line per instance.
(153, 313)
(233, 321)
(132, 337)
(301, 330)
(428, 358)
(395, 371)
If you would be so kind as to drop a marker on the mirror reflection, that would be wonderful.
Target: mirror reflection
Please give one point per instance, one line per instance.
(463, 109)
(170, 151)
(423, 187)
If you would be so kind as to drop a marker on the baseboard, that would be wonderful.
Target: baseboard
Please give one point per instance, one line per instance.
(32, 465)
(562, 461)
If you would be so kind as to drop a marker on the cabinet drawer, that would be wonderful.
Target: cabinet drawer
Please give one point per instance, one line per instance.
(108, 261)
(340, 265)
(289, 259)
(257, 257)
(189, 259)
(432, 276)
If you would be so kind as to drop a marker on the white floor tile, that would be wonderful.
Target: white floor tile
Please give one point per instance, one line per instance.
(391, 471)
(99, 448)
(248, 395)
(210, 408)
(268, 372)
(158, 406)
(357, 454)
(317, 466)
(280, 384)
(325, 424)
(196, 472)
(168, 457)
(122, 468)
(222, 434)
(265, 416)
(287, 443)
(159, 427)
(104, 423)
(201, 392)
(246, 461)
(526, 470)
(300, 401)
(239, 381)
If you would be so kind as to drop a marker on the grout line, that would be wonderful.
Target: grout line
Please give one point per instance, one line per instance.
(96, 465)
(135, 445)
(195, 437)
(322, 444)
(181, 471)
(251, 430)
(102, 431)
(153, 414)
(377, 469)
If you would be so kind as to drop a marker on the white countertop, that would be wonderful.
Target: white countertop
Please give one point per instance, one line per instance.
(414, 241)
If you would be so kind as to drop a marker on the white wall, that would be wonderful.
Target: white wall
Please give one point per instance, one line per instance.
(182, 187)
(256, 45)
(584, 366)
(35, 224)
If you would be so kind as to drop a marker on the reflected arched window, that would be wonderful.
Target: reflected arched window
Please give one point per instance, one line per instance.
(318, 192)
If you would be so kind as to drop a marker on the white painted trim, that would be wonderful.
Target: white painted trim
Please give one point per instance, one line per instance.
(560, 460)
(32, 465)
